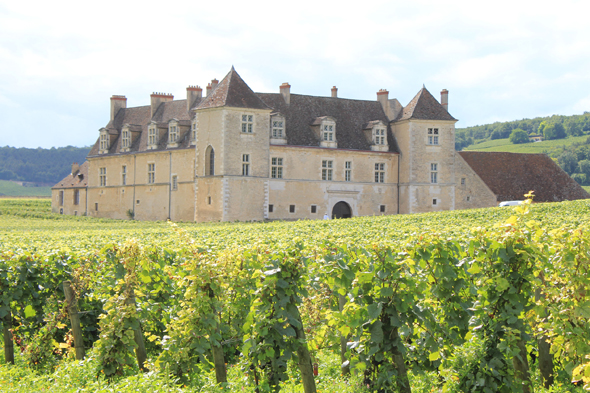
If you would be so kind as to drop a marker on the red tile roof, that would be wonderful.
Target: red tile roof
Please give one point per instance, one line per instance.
(75, 180)
(232, 91)
(424, 107)
(511, 175)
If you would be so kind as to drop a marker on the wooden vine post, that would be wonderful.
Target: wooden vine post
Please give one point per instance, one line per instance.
(305, 364)
(343, 340)
(8, 341)
(72, 305)
(140, 352)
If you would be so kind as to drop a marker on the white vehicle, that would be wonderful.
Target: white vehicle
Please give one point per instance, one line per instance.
(510, 203)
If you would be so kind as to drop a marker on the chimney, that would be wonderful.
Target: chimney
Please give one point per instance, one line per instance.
(285, 90)
(75, 168)
(444, 99)
(334, 92)
(209, 89)
(214, 83)
(383, 98)
(192, 93)
(117, 102)
(157, 99)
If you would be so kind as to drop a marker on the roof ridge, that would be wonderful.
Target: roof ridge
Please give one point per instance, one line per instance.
(233, 91)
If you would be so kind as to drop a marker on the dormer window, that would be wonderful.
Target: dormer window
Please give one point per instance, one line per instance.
(125, 139)
(152, 136)
(104, 143)
(277, 130)
(173, 133)
(433, 136)
(379, 137)
(328, 132)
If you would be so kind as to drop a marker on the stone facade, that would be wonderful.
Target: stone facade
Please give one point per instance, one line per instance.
(239, 155)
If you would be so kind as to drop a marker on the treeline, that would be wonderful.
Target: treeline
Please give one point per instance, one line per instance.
(555, 127)
(39, 165)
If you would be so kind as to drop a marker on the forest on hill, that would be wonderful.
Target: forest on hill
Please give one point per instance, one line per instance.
(564, 140)
(39, 165)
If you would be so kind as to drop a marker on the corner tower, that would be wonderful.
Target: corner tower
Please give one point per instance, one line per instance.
(425, 133)
(232, 153)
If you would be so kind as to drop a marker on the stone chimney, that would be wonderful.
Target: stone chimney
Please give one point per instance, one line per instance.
(214, 83)
(285, 90)
(157, 99)
(444, 99)
(75, 168)
(117, 102)
(209, 89)
(383, 98)
(192, 93)
(334, 92)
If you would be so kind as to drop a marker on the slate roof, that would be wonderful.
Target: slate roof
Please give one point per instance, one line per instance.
(511, 175)
(350, 117)
(75, 180)
(424, 107)
(232, 91)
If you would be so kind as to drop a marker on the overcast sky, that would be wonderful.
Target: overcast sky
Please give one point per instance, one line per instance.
(60, 61)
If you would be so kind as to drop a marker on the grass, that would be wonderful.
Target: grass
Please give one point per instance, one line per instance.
(10, 188)
(587, 188)
(504, 145)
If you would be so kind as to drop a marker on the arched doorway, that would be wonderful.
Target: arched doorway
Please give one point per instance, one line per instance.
(341, 210)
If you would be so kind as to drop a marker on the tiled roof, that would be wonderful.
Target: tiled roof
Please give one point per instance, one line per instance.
(350, 117)
(424, 107)
(232, 91)
(511, 175)
(75, 180)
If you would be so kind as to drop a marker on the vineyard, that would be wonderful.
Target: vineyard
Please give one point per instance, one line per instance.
(487, 300)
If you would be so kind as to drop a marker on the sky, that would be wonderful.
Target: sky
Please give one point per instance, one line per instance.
(61, 61)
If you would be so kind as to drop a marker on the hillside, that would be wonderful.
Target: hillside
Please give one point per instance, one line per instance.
(39, 165)
(10, 188)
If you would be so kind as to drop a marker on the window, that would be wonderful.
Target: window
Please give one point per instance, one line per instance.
(462, 181)
(152, 136)
(61, 210)
(468, 198)
(194, 130)
(434, 173)
(102, 175)
(245, 164)
(151, 173)
(291, 208)
(276, 168)
(379, 172)
(137, 202)
(76, 197)
(326, 170)
(75, 212)
(433, 136)
(247, 123)
(314, 209)
(209, 200)
(124, 175)
(278, 129)
(328, 132)
(270, 208)
(61, 198)
(209, 161)
(379, 136)
(96, 207)
(434, 202)
(174, 182)
(382, 208)
(173, 134)
(348, 171)
(125, 139)
(104, 141)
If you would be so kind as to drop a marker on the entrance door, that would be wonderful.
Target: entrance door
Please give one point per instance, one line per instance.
(341, 210)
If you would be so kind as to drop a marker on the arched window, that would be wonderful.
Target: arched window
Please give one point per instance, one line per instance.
(209, 161)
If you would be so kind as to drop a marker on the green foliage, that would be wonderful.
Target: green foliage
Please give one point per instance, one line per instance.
(39, 165)
(553, 131)
(518, 136)
(568, 162)
(10, 188)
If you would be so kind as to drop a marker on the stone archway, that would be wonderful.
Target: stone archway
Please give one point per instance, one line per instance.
(341, 210)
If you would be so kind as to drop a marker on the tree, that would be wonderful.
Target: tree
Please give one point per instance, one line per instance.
(496, 135)
(553, 131)
(580, 178)
(567, 161)
(584, 167)
(518, 136)
(573, 127)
